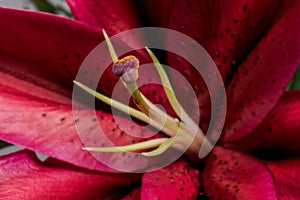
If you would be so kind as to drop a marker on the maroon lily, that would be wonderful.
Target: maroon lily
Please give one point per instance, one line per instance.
(256, 49)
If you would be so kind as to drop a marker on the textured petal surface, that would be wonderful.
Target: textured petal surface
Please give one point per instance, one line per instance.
(275, 60)
(286, 174)
(279, 131)
(23, 176)
(233, 175)
(227, 30)
(177, 181)
(247, 40)
(49, 128)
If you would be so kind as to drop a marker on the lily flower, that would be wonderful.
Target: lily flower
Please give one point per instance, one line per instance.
(256, 48)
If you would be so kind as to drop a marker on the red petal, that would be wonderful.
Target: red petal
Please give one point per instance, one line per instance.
(177, 181)
(23, 176)
(279, 130)
(275, 57)
(44, 125)
(49, 128)
(113, 16)
(57, 50)
(254, 91)
(54, 47)
(234, 175)
(29, 83)
(227, 30)
(287, 177)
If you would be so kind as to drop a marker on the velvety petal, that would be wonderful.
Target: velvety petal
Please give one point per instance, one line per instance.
(177, 181)
(23, 176)
(238, 27)
(227, 30)
(30, 83)
(279, 131)
(286, 174)
(113, 16)
(261, 80)
(52, 46)
(233, 175)
(49, 128)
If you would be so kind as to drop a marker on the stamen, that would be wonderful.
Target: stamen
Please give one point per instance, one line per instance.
(129, 148)
(111, 49)
(127, 69)
(124, 108)
(162, 148)
(116, 104)
(181, 132)
(180, 112)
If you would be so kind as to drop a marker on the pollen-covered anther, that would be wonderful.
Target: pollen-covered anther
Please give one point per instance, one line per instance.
(127, 69)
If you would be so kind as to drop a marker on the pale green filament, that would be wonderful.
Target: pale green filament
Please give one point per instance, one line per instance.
(180, 112)
(111, 49)
(162, 148)
(132, 147)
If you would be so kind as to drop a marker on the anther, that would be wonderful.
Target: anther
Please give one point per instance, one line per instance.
(127, 69)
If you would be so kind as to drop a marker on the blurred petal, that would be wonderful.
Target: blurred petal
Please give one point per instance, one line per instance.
(233, 175)
(23, 176)
(135, 194)
(279, 131)
(177, 181)
(286, 174)
(157, 12)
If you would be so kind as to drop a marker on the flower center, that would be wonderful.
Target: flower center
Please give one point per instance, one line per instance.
(183, 133)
